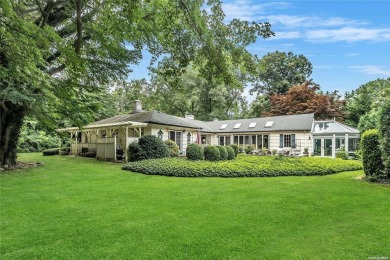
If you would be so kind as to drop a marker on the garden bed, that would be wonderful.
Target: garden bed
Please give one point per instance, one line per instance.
(244, 166)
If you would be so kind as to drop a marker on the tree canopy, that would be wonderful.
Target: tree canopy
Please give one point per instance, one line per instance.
(278, 71)
(303, 99)
(57, 57)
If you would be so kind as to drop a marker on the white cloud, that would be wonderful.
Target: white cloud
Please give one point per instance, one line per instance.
(348, 34)
(246, 10)
(372, 70)
(286, 35)
(325, 67)
(292, 21)
(351, 54)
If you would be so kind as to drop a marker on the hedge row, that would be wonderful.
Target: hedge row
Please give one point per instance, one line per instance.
(244, 166)
(51, 151)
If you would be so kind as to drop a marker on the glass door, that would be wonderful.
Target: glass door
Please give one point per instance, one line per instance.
(327, 147)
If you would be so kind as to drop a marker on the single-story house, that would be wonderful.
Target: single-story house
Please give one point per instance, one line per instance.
(289, 133)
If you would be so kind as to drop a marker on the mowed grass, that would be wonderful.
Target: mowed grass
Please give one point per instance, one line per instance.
(84, 209)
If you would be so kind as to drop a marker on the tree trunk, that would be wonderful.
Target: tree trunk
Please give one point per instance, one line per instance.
(11, 120)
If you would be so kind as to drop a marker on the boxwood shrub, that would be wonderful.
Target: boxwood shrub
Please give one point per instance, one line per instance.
(51, 151)
(194, 152)
(342, 154)
(244, 166)
(148, 147)
(235, 148)
(211, 153)
(173, 148)
(230, 153)
(222, 152)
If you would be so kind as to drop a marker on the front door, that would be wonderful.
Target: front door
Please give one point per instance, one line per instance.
(317, 147)
(322, 147)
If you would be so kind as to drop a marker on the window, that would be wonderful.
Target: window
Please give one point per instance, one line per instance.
(188, 138)
(176, 137)
(236, 126)
(252, 125)
(340, 143)
(353, 144)
(287, 141)
(269, 124)
(223, 140)
(223, 126)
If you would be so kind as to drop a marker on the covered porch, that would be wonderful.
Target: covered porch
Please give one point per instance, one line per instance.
(108, 142)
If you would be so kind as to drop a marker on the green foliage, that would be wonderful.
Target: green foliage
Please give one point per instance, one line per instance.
(211, 153)
(195, 152)
(249, 149)
(222, 152)
(342, 154)
(173, 148)
(278, 71)
(148, 147)
(244, 166)
(134, 152)
(51, 151)
(385, 134)
(33, 138)
(372, 162)
(367, 99)
(230, 153)
(235, 148)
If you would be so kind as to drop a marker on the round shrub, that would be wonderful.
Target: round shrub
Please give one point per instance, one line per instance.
(211, 153)
(372, 162)
(195, 152)
(235, 148)
(249, 149)
(342, 154)
(230, 153)
(173, 148)
(149, 147)
(222, 152)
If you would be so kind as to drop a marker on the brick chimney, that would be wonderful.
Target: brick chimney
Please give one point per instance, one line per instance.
(137, 107)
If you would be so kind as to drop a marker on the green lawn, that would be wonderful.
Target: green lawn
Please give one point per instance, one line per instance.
(84, 209)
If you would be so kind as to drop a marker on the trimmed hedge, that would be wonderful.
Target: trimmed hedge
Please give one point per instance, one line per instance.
(235, 148)
(372, 162)
(230, 153)
(51, 151)
(148, 147)
(173, 148)
(244, 166)
(194, 152)
(222, 152)
(211, 153)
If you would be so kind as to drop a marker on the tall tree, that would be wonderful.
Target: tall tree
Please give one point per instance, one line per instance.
(363, 104)
(304, 99)
(56, 56)
(278, 71)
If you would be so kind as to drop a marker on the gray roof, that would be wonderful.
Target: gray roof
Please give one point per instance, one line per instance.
(301, 122)
(330, 127)
(156, 117)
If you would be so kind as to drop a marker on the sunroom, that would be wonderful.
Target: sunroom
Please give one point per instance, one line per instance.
(330, 136)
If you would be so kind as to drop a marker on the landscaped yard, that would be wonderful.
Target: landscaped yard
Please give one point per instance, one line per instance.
(84, 209)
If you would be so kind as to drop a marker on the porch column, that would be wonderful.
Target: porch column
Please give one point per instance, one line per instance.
(334, 146)
(127, 143)
(346, 143)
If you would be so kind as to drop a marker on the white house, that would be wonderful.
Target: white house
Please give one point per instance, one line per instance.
(290, 133)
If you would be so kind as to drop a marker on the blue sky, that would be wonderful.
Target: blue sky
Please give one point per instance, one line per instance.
(348, 42)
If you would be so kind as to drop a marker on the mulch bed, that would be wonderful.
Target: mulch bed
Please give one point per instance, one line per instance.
(20, 165)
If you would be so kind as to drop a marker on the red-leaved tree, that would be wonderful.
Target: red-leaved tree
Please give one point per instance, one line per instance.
(306, 98)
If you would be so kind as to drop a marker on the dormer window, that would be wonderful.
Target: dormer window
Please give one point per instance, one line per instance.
(236, 126)
(223, 126)
(252, 125)
(269, 124)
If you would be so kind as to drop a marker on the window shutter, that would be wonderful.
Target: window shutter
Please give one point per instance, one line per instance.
(293, 141)
(281, 141)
